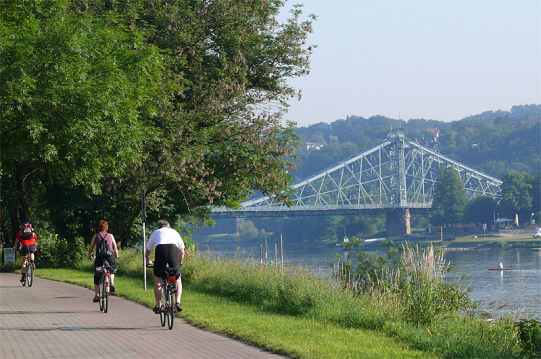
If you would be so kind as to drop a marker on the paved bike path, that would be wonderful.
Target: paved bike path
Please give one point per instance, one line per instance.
(58, 320)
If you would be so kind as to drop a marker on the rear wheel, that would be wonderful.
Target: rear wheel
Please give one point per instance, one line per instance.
(171, 309)
(29, 273)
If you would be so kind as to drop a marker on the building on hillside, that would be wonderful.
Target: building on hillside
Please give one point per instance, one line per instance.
(314, 145)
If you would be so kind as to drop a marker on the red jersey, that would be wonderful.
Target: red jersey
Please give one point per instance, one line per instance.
(26, 242)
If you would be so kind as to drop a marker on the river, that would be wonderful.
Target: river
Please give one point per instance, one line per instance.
(515, 292)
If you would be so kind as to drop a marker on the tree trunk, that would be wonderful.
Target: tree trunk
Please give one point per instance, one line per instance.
(53, 196)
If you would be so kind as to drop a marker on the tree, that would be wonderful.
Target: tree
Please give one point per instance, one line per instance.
(247, 230)
(517, 190)
(481, 210)
(183, 98)
(450, 198)
(74, 89)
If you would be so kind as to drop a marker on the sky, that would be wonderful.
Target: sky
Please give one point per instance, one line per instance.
(434, 59)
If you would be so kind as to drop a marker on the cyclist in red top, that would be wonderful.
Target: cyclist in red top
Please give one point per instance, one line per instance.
(27, 239)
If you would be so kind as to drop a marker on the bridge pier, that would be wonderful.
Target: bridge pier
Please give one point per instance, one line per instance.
(397, 222)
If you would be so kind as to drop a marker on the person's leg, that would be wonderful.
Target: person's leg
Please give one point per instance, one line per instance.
(97, 277)
(179, 289)
(158, 290)
(23, 265)
(113, 288)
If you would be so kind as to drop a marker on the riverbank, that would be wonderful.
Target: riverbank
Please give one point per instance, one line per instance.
(457, 242)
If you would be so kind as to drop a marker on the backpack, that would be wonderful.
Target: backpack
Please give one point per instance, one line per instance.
(27, 232)
(102, 248)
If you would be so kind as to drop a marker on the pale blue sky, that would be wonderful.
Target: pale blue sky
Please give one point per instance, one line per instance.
(437, 59)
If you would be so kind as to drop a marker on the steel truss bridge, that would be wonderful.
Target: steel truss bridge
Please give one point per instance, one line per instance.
(396, 176)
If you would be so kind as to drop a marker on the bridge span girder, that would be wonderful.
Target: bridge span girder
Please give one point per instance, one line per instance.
(395, 175)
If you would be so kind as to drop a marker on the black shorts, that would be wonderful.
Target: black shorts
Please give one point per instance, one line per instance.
(28, 249)
(165, 254)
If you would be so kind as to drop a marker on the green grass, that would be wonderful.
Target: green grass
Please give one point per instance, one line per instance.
(300, 315)
(284, 334)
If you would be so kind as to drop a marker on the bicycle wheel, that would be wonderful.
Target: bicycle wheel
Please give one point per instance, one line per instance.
(171, 310)
(101, 291)
(105, 294)
(164, 304)
(29, 273)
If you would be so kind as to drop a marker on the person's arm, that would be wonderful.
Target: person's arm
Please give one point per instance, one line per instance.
(91, 248)
(181, 255)
(115, 248)
(147, 257)
(16, 244)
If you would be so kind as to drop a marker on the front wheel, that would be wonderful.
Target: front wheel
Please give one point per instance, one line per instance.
(101, 292)
(29, 273)
(171, 309)
(106, 294)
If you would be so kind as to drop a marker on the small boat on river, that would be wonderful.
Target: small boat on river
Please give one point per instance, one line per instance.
(499, 269)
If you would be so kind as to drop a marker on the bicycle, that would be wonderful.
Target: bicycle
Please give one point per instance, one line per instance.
(104, 285)
(29, 272)
(169, 291)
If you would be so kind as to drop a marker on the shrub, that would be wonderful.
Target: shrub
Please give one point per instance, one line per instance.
(415, 287)
(529, 333)
(58, 253)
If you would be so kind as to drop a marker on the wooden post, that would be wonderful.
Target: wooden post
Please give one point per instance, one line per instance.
(275, 256)
(282, 250)
(266, 259)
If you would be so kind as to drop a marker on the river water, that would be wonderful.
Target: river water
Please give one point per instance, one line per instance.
(516, 292)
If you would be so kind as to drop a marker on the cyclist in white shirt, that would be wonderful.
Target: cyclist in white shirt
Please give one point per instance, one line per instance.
(169, 250)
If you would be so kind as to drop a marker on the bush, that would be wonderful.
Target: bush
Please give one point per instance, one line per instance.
(58, 253)
(415, 289)
(529, 333)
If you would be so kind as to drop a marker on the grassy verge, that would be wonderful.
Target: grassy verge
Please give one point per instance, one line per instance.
(284, 334)
(297, 314)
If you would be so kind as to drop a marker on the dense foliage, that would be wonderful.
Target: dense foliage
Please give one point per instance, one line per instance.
(100, 99)
(492, 142)
(450, 199)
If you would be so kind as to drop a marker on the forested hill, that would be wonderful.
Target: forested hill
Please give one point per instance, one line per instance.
(494, 142)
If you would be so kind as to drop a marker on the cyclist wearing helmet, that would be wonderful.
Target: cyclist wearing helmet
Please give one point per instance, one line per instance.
(169, 249)
(27, 239)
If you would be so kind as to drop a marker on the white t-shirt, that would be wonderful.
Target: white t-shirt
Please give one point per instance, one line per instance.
(164, 235)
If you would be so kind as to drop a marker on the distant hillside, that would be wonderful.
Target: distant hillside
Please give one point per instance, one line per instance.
(494, 142)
